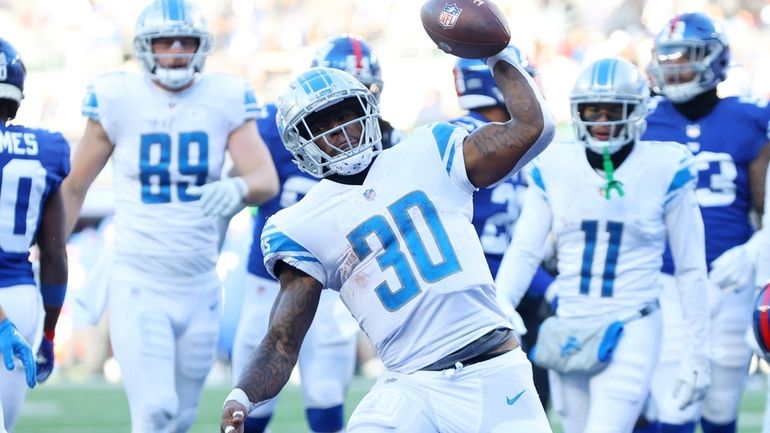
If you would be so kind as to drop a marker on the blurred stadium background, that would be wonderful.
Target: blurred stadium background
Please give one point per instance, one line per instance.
(65, 43)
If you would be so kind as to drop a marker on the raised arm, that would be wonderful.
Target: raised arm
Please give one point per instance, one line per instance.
(271, 363)
(497, 150)
(91, 156)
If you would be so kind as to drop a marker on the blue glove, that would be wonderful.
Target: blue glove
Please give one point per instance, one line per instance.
(12, 344)
(44, 359)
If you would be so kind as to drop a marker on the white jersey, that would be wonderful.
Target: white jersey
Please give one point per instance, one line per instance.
(400, 249)
(164, 143)
(609, 251)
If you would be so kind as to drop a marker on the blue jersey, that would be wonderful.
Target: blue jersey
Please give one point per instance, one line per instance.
(33, 163)
(496, 209)
(724, 143)
(293, 181)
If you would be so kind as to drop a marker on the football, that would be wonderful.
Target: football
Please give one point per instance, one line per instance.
(466, 28)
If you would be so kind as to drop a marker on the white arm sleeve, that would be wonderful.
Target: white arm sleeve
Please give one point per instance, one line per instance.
(525, 252)
(687, 240)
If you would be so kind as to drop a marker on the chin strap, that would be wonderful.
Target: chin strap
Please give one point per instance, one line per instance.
(609, 170)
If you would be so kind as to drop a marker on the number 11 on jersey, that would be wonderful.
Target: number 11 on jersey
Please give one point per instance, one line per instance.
(591, 229)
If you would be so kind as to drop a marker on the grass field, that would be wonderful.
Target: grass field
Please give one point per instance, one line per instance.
(103, 408)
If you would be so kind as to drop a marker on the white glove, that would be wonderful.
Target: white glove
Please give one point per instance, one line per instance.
(693, 381)
(733, 270)
(221, 198)
(509, 54)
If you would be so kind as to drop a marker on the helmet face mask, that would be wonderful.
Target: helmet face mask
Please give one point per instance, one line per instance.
(330, 122)
(352, 54)
(608, 105)
(165, 32)
(690, 56)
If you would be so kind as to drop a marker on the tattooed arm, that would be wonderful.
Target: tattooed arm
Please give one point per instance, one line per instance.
(271, 363)
(497, 150)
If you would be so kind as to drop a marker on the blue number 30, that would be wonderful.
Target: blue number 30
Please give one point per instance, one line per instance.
(393, 256)
(154, 170)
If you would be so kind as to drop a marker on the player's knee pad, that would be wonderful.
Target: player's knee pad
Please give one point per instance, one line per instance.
(710, 427)
(688, 427)
(256, 424)
(328, 420)
(724, 395)
(197, 357)
(323, 393)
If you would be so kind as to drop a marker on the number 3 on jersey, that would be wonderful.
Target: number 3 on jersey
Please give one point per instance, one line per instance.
(158, 170)
(393, 256)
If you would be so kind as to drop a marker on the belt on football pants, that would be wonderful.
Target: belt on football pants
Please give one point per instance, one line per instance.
(480, 350)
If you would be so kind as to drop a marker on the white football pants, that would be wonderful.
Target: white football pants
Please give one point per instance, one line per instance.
(610, 401)
(493, 396)
(164, 338)
(730, 357)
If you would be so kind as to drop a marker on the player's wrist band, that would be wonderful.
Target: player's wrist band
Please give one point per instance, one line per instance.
(240, 396)
(53, 294)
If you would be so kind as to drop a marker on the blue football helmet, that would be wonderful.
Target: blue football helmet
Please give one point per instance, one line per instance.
(12, 75)
(352, 54)
(475, 86)
(610, 81)
(168, 19)
(694, 44)
(313, 91)
(761, 321)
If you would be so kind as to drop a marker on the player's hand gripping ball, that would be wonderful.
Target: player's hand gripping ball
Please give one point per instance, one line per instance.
(466, 28)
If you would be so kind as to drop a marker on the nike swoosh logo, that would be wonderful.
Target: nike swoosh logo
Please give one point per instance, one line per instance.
(513, 400)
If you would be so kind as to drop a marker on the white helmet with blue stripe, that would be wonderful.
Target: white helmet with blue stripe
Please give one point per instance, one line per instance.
(168, 19)
(318, 89)
(610, 81)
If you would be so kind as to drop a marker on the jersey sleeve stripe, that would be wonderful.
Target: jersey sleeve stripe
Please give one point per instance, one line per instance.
(537, 178)
(450, 160)
(250, 101)
(90, 106)
(681, 178)
(442, 132)
(278, 242)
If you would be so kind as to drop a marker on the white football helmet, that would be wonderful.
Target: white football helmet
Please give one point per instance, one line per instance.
(610, 81)
(315, 90)
(171, 18)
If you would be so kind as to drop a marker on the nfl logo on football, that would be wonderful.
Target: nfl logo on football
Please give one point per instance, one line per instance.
(449, 16)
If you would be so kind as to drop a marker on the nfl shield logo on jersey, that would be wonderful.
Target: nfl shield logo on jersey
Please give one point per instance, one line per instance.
(370, 195)
(693, 131)
(449, 16)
